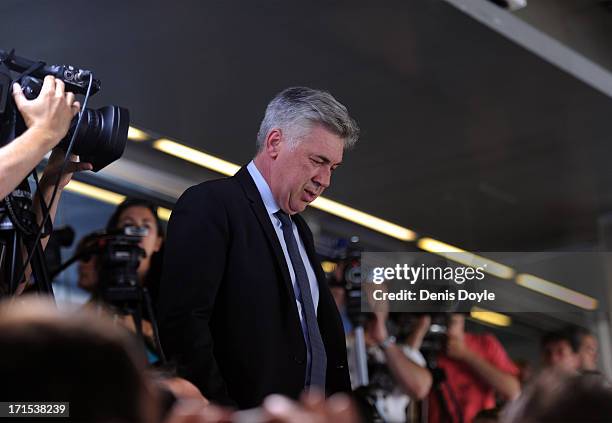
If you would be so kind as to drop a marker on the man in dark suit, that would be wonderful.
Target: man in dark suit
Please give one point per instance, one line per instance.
(245, 310)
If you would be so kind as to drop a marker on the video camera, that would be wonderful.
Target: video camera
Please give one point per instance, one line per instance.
(102, 134)
(98, 136)
(119, 255)
(434, 341)
(347, 275)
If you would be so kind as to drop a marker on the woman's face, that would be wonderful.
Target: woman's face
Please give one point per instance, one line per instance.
(142, 217)
(88, 274)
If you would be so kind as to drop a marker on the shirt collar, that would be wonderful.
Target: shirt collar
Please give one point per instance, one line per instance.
(263, 188)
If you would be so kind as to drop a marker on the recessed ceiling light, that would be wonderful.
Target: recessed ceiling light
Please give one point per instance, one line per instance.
(556, 291)
(464, 257)
(136, 134)
(94, 192)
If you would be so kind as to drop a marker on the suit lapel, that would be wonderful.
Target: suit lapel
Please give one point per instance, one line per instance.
(259, 209)
(261, 213)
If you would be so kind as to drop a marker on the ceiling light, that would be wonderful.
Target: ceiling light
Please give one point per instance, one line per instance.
(490, 317)
(466, 258)
(363, 219)
(94, 192)
(108, 196)
(164, 213)
(195, 156)
(136, 134)
(556, 291)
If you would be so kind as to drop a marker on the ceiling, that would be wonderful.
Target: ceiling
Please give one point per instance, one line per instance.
(466, 136)
(583, 25)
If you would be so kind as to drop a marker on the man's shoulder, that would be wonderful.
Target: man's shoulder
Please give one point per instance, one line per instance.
(211, 197)
(220, 188)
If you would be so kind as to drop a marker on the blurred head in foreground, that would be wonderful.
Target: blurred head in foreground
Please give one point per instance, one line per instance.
(557, 396)
(76, 357)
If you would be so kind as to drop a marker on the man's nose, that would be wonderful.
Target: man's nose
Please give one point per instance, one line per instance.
(323, 177)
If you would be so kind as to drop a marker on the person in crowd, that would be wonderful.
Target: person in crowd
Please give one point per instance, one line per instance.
(143, 214)
(526, 371)
(47, 119)
(311, 408)
(87, 266)
(558, 396)
(74, 357)
(131, 212)
(571, 349)
(476, 368)
(240, 267)
(588, 351)
(81, 358)
(397, 370)
(560, 350)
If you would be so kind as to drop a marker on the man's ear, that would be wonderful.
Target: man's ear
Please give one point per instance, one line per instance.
(273, 142)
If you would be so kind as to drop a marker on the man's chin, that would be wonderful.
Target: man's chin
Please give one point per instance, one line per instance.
(298, 208)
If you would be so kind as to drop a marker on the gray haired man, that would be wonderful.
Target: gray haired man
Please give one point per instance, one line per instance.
(245, 309)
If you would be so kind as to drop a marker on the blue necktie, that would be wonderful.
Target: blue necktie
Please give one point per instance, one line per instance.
(315, 374)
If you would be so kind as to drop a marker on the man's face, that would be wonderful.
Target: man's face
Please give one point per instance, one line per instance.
(588, 353)
(300, 174)
(559, 354)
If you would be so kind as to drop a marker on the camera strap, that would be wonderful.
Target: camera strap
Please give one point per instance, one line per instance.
(6, 82)
(10, 56)
(5, 86)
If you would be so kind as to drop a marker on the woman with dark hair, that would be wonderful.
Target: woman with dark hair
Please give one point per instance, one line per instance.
(142, 214)
(131, 212)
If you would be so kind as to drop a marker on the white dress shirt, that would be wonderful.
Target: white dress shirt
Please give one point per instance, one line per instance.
(272, 207)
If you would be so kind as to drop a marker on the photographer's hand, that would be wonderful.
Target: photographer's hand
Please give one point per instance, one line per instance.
(504, 383)
(456, 348)
(415, 339)
(48, 119)
(413, 379)
(377, 329)
(54, 165)
(51, 113)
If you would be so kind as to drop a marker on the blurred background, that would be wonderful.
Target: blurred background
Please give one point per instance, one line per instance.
(485, 125)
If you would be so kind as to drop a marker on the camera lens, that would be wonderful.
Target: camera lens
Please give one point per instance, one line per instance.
(101, 137)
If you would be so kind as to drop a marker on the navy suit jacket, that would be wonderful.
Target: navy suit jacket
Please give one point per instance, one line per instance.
(228, 315)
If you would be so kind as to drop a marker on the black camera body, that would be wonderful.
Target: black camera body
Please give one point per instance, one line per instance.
(102, 135)
(120, 254)
(347, 275)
